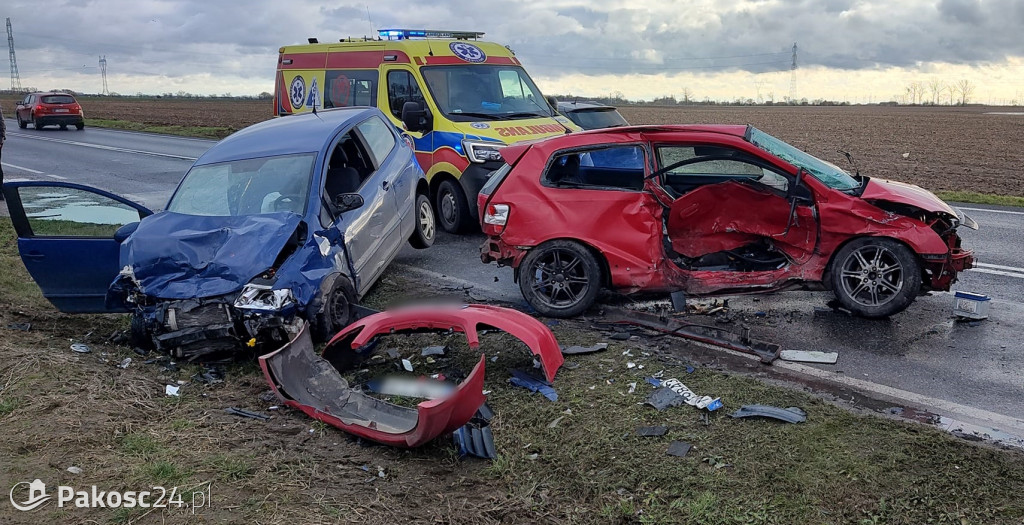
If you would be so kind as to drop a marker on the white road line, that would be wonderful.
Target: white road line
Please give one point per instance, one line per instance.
(110, 148)
(58, 177)
(23, 168)
(992, 211)
(998, 272)
(999, 267)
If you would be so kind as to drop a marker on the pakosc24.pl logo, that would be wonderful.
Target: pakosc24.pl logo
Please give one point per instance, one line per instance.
(27, 496)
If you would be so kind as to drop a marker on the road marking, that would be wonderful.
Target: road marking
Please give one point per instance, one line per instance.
(23, 168)
(999, 267)
(998, 272)
(58, 177)
(992, 211)
(111, 148)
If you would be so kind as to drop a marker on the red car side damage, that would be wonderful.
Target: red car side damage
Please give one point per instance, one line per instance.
(314, 385)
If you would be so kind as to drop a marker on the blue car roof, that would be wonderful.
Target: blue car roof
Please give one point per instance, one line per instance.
(303, 133)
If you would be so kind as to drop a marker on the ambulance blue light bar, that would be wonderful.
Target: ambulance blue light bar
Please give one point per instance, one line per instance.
(405, 34)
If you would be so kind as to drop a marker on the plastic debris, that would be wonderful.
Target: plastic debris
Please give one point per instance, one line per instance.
(679, 448)
(678, 301)
(620, 336)
(632, 387)
(245, 413)
(24, 327)
(630, 365)
(475, 438)
(434, 350)
(171, 390)
(672, 392)
(407, 365)
(209, 375)
(80, 348)
(809, 356)
(555, 422)
(75, 470)
(584, 349)
(533, 384)
(392, 353)
(125, 363)
(789, 415)
(651, 431)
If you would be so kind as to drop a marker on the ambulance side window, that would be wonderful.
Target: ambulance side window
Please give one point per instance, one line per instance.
(350, 87)
(402, 88)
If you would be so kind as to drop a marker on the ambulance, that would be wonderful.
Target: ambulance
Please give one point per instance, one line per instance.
(459, 98)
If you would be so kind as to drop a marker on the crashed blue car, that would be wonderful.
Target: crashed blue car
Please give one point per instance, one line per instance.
(290, 219)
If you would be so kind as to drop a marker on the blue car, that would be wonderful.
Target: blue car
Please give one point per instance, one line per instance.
(290, 219)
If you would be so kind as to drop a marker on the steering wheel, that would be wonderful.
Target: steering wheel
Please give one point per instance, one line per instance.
(285, 203)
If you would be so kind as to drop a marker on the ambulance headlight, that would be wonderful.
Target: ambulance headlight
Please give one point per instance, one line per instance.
(481, 152)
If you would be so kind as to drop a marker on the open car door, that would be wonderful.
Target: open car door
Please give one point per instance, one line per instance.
(66, 238)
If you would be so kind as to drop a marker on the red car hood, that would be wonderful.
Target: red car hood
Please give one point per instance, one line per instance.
(902, 193)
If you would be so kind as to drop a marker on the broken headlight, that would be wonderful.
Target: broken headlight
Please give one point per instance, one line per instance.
(480, 152)
(263, 297)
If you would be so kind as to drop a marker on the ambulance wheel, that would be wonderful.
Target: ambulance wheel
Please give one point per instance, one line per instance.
(452, 207)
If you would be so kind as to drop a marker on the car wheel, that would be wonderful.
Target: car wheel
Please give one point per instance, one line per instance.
(423, 234)
(452, 207)
(80, 126)
(875, 277)
(38, 124)
(63, 127)
(139, 334)
(336, 311)
(560, 278)
(21, 123)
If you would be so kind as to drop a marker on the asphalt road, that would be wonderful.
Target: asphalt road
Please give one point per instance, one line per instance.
(973, 371)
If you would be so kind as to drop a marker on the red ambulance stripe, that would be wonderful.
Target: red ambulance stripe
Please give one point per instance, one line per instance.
(436, 61)
(359, 59)
(304, 61)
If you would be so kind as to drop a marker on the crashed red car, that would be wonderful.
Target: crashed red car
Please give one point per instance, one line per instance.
(710, 210)
(315, 386)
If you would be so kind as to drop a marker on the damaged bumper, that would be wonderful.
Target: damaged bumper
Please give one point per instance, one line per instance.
(942, 269)
(314, 385)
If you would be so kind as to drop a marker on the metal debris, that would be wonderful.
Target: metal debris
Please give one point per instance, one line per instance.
(809, 356)
(80, 348)
(573, 350)
(245, 413)
(789, 415)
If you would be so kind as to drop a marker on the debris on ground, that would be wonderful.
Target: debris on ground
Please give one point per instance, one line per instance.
(789, 415)
(524, 379)
(576, 349)
(968, 305)
(407, 365)
(620, 336)
(210, 375)
(434, 350)
(475, 438)
(651, 431)
(679, 448)
(809, 356)
(80, 348)
(125, 363)
(672, 392)
(24, 327)
(75, 470)
(172, 390)
(245, 413)
(424, 388)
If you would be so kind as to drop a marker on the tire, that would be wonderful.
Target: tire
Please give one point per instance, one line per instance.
(63, 127)
(80, 126)
(426, 225)
(139, 334)
(21, 123)
(452, 207)
(336, 311)
(38, 124)
(875, 277)
(560, 278)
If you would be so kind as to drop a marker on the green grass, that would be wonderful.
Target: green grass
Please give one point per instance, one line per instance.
(164, 473)
(208, 132)
(9, 405)
(980, 198)
(140, 445)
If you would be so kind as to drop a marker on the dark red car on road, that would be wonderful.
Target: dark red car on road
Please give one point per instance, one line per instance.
(710, 210)
(50, 109)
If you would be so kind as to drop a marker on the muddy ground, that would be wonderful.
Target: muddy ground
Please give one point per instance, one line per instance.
(939, 148)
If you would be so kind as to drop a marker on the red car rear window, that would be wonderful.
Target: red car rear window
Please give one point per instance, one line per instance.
(58, 99)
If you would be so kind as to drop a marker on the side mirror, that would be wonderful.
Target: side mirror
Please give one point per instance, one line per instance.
(416, 117)
(553, 102)
(125, 231)
(348, 202)
(794, 191)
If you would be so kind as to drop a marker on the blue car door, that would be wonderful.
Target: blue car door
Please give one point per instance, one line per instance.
(66, 238)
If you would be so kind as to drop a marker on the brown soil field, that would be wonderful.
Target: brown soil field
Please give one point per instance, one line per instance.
(939, 148)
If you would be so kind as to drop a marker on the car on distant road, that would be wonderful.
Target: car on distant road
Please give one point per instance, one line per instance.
(710, 210)
(286, 220)
(50, 109)
(591, 115)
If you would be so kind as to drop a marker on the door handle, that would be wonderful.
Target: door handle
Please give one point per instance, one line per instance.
(385, 185)
(35, 256)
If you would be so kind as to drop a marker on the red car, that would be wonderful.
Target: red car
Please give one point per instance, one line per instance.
(49, 109)
(710, 210)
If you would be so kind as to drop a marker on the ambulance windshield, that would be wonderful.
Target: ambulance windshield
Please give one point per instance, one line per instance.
(469, 93)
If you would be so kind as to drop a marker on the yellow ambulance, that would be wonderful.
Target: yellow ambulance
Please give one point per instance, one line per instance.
(458, 97)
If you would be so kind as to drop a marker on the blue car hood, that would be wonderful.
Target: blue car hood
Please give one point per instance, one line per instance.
(176, 256)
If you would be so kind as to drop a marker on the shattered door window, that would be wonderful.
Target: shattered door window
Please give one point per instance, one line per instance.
(55, 211)
(711, 165)
(617, 167)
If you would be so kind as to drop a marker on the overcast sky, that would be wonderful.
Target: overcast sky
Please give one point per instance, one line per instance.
(855, 50)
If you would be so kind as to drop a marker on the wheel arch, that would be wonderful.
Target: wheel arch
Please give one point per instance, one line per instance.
(602, 261)
(436, 180)
(826, 276)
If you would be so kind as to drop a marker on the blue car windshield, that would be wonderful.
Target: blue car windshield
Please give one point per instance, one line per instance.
(830, 174)
(246, 187)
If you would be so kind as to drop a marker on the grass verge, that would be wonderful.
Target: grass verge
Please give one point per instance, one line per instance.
(980, 198)
(577, 460)
(205, 132)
